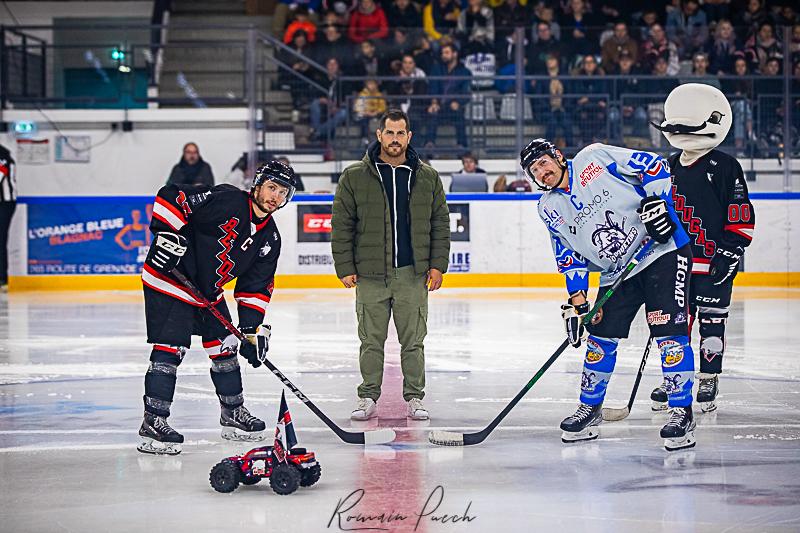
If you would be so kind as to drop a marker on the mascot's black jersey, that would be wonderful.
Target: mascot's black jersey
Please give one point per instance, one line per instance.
(712, 201)
(225, 242)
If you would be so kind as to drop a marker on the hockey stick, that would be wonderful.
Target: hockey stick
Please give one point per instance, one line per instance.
(449, 438)
(379, 436)
(613, 415)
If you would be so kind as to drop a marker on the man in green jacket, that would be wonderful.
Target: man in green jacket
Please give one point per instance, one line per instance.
(391, 241)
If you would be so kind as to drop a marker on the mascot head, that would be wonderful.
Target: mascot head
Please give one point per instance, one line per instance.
(697, 117)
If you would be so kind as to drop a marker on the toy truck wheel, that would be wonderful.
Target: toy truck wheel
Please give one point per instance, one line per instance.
(284, 479)
(310, 476)
(224, 476)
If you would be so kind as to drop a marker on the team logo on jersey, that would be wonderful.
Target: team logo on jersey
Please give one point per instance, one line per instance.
(589, 173)
(693, 223)
(594, 353)
(226, 264)
(264, 250)
(612, 239)
(672, 352)
(680, 318)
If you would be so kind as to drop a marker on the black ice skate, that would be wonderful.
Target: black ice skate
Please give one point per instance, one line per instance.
(158, 437)
(239, 424)
(659, 398)
(678, 432)
(583, 424)
(707, 391)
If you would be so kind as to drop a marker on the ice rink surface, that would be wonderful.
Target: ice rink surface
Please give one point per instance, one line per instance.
(71, 382)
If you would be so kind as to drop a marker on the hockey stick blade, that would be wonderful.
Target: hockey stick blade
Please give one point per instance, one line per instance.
(381, 436)
(611, 414)
(447, 438)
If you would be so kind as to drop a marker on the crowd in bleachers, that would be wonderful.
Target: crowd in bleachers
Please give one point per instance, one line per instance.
(439, 51)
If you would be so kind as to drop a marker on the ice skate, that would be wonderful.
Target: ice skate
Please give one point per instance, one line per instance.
(416, 410)
(678, 432)
(582, 425)
(158, 437)
(707, 391)
(659, 398)
(239, 424)
(365, 409)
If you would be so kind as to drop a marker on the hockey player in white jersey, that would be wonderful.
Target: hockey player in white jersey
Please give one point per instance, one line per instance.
(599, 208)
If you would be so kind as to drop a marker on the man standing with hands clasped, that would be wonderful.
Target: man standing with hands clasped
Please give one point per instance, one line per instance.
(391, 241)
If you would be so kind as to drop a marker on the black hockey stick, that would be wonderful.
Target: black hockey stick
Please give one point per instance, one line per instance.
(449, 438)
(611, 414)
(379, 436)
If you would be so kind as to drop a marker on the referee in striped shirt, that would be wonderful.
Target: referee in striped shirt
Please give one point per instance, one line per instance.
(8, 203)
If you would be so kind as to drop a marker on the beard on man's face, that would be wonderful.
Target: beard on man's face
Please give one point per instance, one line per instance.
(393, 148)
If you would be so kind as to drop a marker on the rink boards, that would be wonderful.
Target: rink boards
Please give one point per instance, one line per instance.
(64, 243)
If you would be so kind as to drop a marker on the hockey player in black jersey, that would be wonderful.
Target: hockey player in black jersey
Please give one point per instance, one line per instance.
(711, 198)
(212, 235)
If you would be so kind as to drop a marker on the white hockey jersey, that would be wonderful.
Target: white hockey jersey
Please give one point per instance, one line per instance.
(594, 225)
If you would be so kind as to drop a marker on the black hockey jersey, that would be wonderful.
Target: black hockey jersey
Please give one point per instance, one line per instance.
(712, 201)
(225, 242)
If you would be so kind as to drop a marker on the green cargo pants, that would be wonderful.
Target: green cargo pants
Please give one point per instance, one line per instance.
(405, 296)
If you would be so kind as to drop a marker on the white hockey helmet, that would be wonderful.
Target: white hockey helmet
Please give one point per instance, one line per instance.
(696, 117)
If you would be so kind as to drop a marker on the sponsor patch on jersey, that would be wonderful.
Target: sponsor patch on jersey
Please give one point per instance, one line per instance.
(264, 250)
(589, 173)
(672, 353)
(594, 353)
(658, 318)
(554, 219)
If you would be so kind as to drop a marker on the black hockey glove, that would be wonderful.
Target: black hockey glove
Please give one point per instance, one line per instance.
(166, 251)
(655, 217)
(724, 264)
(255, 350)
(573, 316)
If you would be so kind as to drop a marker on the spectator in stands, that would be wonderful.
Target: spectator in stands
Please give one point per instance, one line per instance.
(300, 22)
(440, 18)
(393, 51)
(716, 9)
(722, 52)
(628, 106)
(331, 43)
(191, 169)
(405, 14)
(409, 89)
(370, 104)
(469, 164)
(506, 54)
(754, 16)
(582, 26)
(367, 62)
(448, 96)
(658, 45)
(794, 44)
(339, 10)
(544, 13)
(510, 15)
(643, 21)
(688, 27)
(545, 45)
(368, 22)
(284, 9)
(592, 105)
(739, 91)
(700, 72)
(770, 106)
(616, 44)
(325, 113)
(550, 104)
(423, 54)
(476, 28)
(766, 45)
(294, 57)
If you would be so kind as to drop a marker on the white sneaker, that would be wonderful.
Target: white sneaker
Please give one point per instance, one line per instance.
(416, 410)
(365, 409)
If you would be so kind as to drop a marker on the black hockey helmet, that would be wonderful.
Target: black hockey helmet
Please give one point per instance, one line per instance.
(536, 149)
(279, 173)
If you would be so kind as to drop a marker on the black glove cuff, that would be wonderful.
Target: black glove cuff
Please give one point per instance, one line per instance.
(583, 308)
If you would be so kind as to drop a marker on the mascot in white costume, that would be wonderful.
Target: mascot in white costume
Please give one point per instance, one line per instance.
(711, 198)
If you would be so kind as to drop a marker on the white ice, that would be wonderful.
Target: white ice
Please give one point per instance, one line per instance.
(71, 382)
